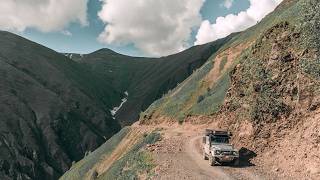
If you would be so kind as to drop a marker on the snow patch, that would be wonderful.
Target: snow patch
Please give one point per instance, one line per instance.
(116, 109)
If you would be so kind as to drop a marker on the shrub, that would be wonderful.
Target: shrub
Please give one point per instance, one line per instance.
(200, 98)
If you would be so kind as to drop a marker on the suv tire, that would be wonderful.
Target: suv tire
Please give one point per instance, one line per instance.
(236, 162)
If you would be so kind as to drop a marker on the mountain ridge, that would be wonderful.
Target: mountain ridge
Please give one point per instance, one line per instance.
(147, 79)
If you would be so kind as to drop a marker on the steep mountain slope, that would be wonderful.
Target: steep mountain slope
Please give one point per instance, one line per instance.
(204, 92)
(263, 85)
(51, 110)
(146, 79)
(128, 144)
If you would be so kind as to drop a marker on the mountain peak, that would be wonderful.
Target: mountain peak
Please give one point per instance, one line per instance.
(106, 51)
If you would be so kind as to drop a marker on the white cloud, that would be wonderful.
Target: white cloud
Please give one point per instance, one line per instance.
(43, 15)
(156, 27)
(234, 23)
(228, 4)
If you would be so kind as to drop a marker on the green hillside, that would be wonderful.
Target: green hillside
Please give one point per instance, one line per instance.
(197, 96)
(133, 161)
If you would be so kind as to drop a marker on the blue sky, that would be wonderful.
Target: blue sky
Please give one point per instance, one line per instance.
(84, 38)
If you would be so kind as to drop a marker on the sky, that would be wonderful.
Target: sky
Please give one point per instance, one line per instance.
(132, 27)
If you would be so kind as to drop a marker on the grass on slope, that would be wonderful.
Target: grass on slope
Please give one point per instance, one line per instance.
(279, 72)
(197, 95)
(134, 163)
(79, 169)
(288, 10)
(129, 166)
(171, 104)
(192, 97)
(210, 102)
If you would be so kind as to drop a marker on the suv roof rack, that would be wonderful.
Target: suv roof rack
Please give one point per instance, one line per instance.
(215, 132)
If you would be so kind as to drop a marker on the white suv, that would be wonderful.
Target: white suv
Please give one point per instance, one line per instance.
(217, 149)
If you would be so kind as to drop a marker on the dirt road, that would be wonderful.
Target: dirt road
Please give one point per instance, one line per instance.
(218, 172)
(194, 152)
(179, 156)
